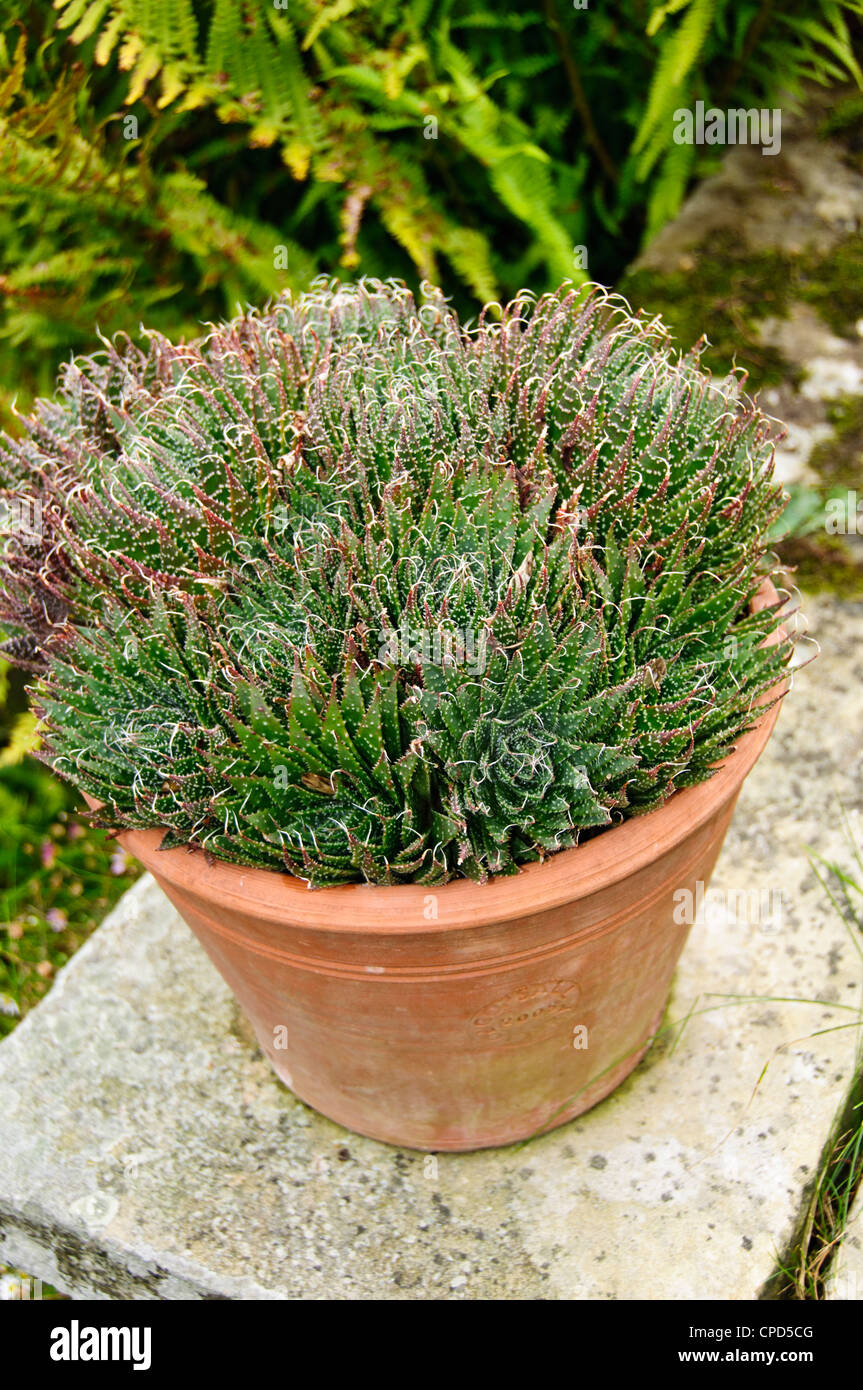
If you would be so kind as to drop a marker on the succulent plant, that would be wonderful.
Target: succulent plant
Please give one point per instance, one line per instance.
(350, 590)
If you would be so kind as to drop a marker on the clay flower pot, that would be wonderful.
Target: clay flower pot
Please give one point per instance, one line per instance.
(472, 1014)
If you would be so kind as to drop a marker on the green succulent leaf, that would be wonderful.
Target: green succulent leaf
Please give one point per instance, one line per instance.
(348, 590)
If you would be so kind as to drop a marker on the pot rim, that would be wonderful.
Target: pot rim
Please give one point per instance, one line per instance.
(396, 910)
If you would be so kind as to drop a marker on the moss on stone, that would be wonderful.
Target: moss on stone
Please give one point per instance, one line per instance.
(833, 284)
(838, 461)
(725, 288)
(720, 291)
(826, 563)
(822, 565)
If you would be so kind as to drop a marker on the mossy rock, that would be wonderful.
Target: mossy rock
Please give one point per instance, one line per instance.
(838, 461)
(724, 290)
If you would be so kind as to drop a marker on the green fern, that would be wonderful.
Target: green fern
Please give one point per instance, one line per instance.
(670, 86)
(431, 138)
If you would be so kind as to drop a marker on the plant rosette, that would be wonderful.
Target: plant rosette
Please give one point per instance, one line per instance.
(470, 630)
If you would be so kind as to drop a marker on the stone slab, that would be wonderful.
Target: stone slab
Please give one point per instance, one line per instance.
(146, 1150)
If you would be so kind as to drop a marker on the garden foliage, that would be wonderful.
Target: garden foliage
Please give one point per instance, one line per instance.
(162, 161)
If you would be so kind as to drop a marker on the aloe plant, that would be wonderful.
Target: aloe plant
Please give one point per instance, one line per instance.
(354, 591)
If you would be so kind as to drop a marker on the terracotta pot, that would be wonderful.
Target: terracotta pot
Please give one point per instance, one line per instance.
(457, 1018)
